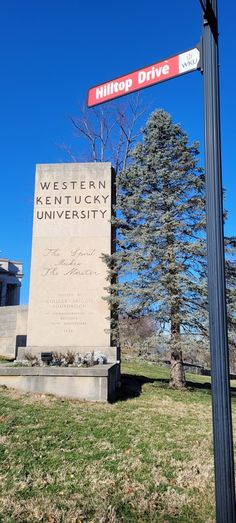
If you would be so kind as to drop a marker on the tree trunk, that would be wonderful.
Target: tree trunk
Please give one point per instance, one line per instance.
(177, 374)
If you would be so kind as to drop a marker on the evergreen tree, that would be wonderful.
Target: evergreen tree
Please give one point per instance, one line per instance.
(161, 255)
(161, 244)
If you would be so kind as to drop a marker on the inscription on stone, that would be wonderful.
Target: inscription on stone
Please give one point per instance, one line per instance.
(72, 212)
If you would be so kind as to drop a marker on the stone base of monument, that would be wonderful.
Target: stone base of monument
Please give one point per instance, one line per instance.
(98, 383)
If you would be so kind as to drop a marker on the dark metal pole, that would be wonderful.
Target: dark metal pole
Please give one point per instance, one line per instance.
(221, 403)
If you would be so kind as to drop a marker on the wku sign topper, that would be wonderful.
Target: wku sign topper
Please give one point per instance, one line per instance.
(150, 75)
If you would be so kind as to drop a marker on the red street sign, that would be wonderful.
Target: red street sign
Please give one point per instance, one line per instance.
(149, 75)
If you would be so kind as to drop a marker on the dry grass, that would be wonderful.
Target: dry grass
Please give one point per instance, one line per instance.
(143, 459)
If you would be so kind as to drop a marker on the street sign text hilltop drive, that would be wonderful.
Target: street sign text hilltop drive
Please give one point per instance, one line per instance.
(149, 75)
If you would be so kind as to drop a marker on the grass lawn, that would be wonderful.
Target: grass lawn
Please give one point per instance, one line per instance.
(146, 458)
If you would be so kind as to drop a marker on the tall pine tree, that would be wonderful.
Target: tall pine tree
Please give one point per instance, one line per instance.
(161, 254)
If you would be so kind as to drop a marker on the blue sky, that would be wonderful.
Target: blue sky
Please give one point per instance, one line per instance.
(52, 51)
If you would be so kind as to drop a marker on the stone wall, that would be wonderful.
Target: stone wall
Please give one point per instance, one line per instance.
(13, 329)
(96, 383)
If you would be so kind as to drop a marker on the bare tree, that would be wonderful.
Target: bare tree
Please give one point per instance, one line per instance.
(107, 132)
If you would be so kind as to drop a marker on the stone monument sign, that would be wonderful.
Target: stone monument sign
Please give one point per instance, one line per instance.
(71, 230)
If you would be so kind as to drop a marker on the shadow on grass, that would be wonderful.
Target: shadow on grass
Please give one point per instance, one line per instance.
(132, 384)
(192, 385)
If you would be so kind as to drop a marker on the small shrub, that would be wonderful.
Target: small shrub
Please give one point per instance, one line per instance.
(78, 361)
(58, 359)
(29, 360)
(99, 358)
(88, 359)
(69, 357)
